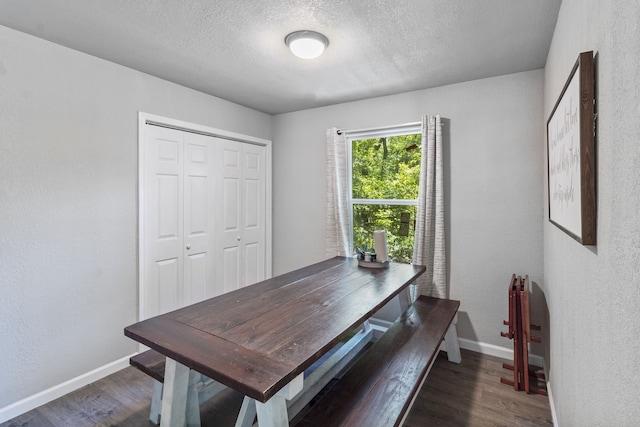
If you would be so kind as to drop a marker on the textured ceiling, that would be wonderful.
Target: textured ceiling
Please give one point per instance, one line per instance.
(234, 49)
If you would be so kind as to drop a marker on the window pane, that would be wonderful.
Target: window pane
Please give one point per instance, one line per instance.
(398, 221)
(386, 168)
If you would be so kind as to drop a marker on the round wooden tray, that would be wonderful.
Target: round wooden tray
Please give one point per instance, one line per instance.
(366, 264)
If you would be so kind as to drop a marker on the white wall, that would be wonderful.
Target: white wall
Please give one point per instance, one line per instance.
(592, 291)
(493, 178)
(68, 204)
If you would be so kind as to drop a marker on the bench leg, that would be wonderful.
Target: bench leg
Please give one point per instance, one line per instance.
(156, 402)
(451, 339)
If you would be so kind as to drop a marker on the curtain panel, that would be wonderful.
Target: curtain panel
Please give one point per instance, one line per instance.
(429, 243)
(338, 227)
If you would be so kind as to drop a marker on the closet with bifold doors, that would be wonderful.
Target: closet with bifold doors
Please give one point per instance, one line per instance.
(204, 216)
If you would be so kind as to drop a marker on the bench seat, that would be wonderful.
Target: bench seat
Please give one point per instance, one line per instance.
(381, 386)
(151, 363)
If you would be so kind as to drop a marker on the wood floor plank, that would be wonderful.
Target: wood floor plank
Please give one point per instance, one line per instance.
(31, 419)
(88, 406)
(127, 385)
(222, 410)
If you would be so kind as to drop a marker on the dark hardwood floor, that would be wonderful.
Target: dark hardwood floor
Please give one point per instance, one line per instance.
(468, 394)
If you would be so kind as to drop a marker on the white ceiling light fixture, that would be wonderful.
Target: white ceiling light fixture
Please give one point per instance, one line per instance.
(306, 44)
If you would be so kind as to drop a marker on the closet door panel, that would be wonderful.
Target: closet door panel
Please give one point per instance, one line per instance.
(252, 264)
(254, 213)
(198, 267)
(229, 269)
(230, 205)
(163, 218)
(199, 217)
(168, 285)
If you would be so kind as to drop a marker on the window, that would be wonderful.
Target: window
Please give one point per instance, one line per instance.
(384, 176)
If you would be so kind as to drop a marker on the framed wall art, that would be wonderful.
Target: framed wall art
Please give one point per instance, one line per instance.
(571, 154)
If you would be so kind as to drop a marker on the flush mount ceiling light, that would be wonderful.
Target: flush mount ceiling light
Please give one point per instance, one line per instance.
(306, 44)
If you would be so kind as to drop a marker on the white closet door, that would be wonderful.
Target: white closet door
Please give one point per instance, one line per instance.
(199, 281)
(178, 219)
(241, 220)
(228, 229)
(163, 215)
(254, 220)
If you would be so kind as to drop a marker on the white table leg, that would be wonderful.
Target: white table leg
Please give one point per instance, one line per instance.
(247, 413)
(273, 413)
(174, 396)
(451, 339)
(156, 402)
(193, 404)
(404, 299)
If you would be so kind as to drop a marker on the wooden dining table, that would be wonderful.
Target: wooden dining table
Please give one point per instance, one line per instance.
(260, 339)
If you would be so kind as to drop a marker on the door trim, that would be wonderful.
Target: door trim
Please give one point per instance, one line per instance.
(145, 119)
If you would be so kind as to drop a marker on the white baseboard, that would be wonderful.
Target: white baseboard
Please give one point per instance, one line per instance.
(497, 351)
(46, 396)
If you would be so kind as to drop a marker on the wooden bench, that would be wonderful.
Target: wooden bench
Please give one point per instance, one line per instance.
(383, 383)
(152, 363)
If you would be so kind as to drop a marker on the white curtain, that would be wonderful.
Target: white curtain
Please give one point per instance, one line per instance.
(338, 228)
(429, 244)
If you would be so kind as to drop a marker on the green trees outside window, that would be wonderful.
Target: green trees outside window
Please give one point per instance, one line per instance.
(385, 179)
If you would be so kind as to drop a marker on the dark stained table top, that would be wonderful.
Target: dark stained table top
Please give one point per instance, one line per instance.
(259, 338)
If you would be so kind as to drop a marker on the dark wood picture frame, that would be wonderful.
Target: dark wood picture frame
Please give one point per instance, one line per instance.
(571, 154)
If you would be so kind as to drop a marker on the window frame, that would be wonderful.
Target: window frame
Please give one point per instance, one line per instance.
(350, 136)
